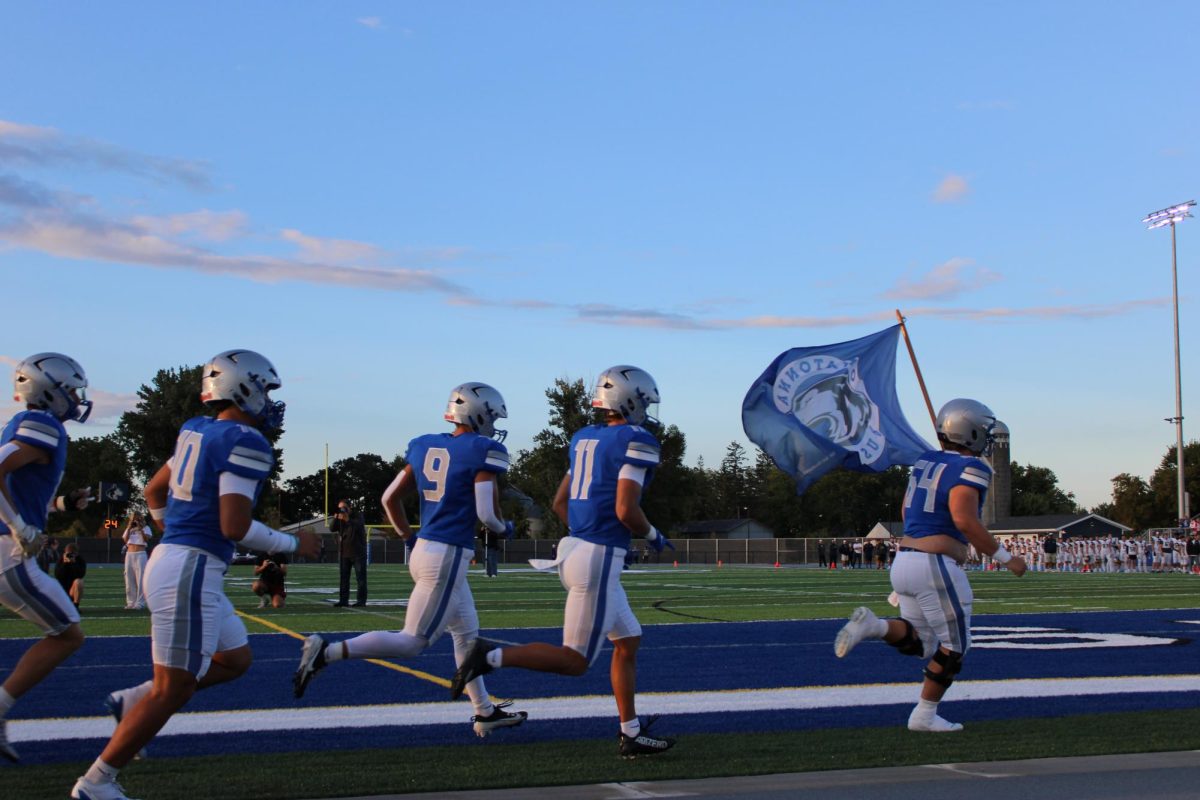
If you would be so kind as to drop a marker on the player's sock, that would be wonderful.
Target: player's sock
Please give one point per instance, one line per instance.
(335, 651)
(383, 644)
(495, 658)
(632, 728)
(6, 702)
(100, 772)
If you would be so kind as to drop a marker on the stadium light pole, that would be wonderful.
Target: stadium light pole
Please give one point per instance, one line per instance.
(1159, 219)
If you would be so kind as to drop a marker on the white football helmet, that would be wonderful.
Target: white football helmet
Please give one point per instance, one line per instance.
(968, 423)
(55, 383)
(244, 378)
(628, 391)
(477, 406)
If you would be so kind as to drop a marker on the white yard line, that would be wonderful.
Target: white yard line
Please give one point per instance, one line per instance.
(279, 720)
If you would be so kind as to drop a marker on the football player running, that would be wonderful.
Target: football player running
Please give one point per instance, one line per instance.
(456, 476)
(33, 455)
(203, 498)
(941, 510)
(600, 500)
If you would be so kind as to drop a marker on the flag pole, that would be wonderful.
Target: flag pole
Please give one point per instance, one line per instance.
(917, 368)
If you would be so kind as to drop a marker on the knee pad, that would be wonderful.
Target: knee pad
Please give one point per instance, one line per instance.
(911, 644)
(951, 664)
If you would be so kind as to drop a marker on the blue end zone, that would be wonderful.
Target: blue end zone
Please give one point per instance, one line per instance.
(685, 657)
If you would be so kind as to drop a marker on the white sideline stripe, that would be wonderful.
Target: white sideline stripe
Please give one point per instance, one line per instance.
(278, 720)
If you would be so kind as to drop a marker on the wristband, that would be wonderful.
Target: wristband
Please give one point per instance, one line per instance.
(652, 534)
(60, 503)
(259, 537)
(1002, 556)
(158, 514)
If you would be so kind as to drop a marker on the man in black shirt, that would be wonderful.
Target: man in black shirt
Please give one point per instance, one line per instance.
(69, 571)
(348, 524)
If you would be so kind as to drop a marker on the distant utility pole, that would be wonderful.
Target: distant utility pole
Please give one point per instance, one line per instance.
(1172, 216)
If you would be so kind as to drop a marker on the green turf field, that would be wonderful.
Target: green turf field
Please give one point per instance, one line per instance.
(667, 595)
(523, 598)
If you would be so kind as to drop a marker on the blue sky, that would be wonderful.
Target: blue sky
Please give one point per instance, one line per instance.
(388, 199)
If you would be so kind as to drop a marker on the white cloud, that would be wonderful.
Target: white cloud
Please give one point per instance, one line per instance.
(43, 147)
(952, 189)
(80, 236)
(333, 251)
(375, 23)
(946, 280)
(212, 226)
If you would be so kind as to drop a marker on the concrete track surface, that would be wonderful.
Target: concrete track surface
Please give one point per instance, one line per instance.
(1162, 776)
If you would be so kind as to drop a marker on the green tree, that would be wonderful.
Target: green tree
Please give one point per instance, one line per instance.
(1132, 503)
(148, 432)
(732, 483)
(1035, 491)
(1163, 483)
(361, 479)
(849, 503)
(538, 471)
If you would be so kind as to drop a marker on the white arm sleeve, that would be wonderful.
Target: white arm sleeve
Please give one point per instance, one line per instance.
(8, 514)
(230, 483)
(485, 506)
(631, 472)
(388, 493)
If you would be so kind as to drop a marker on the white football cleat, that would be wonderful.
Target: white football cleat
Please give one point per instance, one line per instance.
(86, 790)
(862, 625)
(931, 723)
(312, 661)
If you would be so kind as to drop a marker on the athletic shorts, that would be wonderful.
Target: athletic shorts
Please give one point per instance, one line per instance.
(936, 598)
(190, 616)
(441, 598)
(596, 601)
(32, 594)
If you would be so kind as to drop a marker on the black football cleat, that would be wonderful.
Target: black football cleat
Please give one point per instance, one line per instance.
(472, 667)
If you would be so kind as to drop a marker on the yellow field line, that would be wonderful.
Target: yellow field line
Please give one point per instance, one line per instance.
(416, 673)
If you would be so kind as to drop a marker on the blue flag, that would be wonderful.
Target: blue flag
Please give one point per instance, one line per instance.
(816, 409)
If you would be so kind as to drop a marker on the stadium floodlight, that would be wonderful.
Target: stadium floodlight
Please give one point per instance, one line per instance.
(1172, 216)
(1169, 216)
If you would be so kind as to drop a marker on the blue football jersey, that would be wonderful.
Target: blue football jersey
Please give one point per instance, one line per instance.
(927, 500)
(597, 454)
(445, 467)
(205, 448)
(32, 487)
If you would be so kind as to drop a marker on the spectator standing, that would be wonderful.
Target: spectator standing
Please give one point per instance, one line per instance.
(48, 558)
(1050, 548)
(868, 553)
(137, 541)
(822, 559)
(1193, 553)
(491, 551)
(348, 524)
(856, 555)
(69, 572)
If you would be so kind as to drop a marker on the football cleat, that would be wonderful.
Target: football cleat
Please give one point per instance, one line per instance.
(115, 703)
(861, 624)
(498, 719)
(312, 661)
(6, 749)
(925, 723)
(86, 790)
(263, 601)
(474, 665)
(643, 744)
